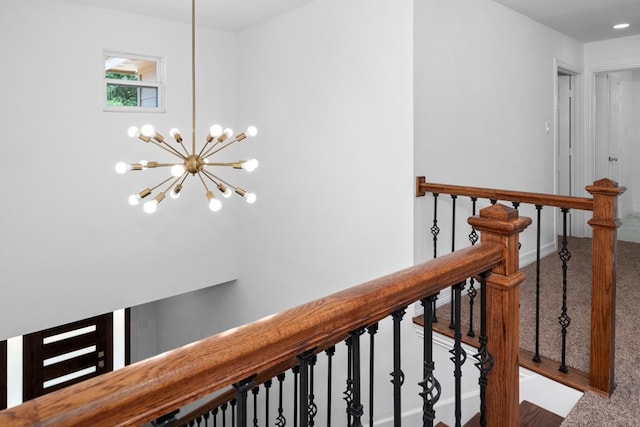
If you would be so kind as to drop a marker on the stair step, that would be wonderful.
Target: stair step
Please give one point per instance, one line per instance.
(531, 415)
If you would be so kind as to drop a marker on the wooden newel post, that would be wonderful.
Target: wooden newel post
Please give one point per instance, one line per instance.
(605, 225)
(502, 224)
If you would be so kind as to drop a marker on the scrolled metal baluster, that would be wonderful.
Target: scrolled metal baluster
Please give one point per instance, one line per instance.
(254, 392)
(241, 399)
(223, 414)
(356, 409)
(307, 360)
(330, 352)
(348, 393)
(296, 372)
(564, 318)
(453, 249)
(267, 388)
(206, 418)
(472, 291)
(233, 412)
(313, 408)
(536, 356)
(215, 416)
(397, 375)
(458, 355)
(516, 205)
(430, 385)
(281, 421)
(484, 359)
(372, 330)
(435, 230)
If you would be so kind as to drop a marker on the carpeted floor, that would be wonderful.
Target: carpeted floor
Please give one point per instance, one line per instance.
(623, 407)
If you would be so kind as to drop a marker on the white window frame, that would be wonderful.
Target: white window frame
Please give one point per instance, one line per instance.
(158, 84)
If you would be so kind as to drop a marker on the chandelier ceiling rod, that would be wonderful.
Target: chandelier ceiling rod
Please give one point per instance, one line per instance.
(194, 164)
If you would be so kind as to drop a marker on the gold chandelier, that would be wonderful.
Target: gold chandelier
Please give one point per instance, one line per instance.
(190, 163)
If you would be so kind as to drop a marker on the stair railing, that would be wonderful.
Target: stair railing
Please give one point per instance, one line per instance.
(244, 356)
(604, 223)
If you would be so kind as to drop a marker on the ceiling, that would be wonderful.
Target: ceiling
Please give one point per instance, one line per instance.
(231, 15)
(583, 20)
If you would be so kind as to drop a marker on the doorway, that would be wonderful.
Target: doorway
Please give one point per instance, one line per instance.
(567, 94)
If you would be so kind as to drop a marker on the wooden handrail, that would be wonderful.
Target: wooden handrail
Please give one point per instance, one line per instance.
(146, 390)
(581, 203)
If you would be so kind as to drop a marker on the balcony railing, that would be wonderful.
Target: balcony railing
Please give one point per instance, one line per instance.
(604, 223)
(237, 362)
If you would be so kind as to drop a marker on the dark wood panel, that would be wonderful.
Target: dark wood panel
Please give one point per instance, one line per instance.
(69, 366)
(68, 345)
(3, 374)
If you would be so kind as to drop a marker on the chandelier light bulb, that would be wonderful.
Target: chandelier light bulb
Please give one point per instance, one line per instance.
(215, 205)
(151, 206)
(250, 198)
(175, 134)
(122, 167)
(227, 193)
(134, 199)
(177, 170)
(228, 132)
(215, 130)
(174, 194)
(148, 131)
(250, 165)
(132, 132)
(252, 131)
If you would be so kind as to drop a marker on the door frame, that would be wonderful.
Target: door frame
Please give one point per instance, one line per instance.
(577, 187)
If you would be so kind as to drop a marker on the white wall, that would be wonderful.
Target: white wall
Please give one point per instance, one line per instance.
(71, 246)
(330, 87)
(484, 91)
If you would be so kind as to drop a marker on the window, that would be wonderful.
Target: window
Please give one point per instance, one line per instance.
(132, 82)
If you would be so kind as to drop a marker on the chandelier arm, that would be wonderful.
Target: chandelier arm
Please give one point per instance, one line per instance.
(185, 149)
(213, 178)
(211, 151)
(175, 181)
(161, 183)
(203, 183)
(168, 148)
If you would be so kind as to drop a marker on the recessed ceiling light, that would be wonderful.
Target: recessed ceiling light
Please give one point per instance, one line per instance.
(621, 26)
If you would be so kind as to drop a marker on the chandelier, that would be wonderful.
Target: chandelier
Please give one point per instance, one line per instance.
(196, 163)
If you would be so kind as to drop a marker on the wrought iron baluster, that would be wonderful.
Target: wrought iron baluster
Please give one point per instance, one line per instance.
(564, 318)
(472, 291)
(435, 230)
(458, 355)
(516, 205)
(430, 386)
(484, 359)
(536, 356)
(329, 352)
(254, 392)
(281, 421)
(348, 393)
(206, 416)
(296, 372)
(241, 400)
(372, 330)
(356, 409)
(308, 408)
(233, 412)
(267, 388)
(397, 375)
(223, 414)
(453, 249)
(198, 420)
(215, 416)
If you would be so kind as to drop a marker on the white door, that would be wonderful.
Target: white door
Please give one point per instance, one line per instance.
(615, 128)
(564, 131)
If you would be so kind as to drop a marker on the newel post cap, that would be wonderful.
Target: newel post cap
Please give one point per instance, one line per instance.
(605, 186)
(499, 219)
